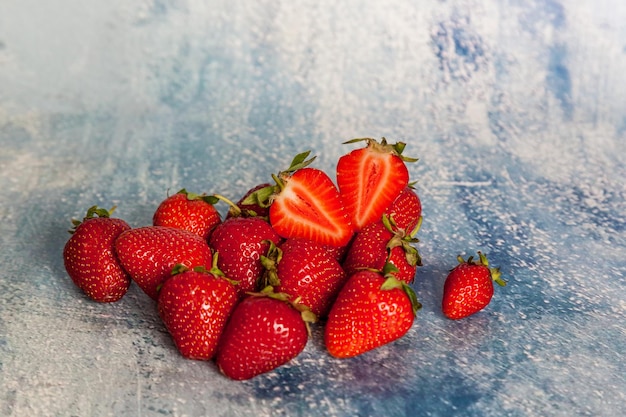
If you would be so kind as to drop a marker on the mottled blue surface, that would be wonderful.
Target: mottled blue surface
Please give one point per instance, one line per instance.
(515, 108)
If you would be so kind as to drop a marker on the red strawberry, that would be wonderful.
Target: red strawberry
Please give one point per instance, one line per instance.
(383, 242)
(264, 332)
(188, 211)
(406, 210)
(305, 203)
(371, 178)
(368, 249)
(240, 242)
(308, 206)
(305, 270)
(149, 253)
(469, 287)
(338, 252)
(89, 258)
(371, 310)
(194, 305)
(247, 208)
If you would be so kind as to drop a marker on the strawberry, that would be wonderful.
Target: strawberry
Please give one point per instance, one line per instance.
(306, 269)
(149, 253)
(308, 206)
(371, 310)
(194, 305)
(383, 242)
(89, 258)
(469, 287)
(265, 331)
(240, 242)
(247, 208)
(406, 209)
(188, 211)
(371, 178)
(305, 203)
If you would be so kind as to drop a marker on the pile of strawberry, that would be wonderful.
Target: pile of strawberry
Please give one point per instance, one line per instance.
(243, 290)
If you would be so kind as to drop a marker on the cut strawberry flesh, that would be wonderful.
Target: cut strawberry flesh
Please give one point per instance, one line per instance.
(309, 207)
(369, 181)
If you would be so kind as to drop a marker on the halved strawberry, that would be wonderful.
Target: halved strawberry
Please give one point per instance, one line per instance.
(308, 206)
(371, 178)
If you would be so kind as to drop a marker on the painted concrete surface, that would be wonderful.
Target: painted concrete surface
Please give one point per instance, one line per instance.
(515, 108)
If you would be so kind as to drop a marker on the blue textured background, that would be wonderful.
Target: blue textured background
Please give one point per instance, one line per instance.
(516, 109)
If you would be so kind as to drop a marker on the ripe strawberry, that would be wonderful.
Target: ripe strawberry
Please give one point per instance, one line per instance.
(149, 253)
(383, 242)
(247, 208)
(188, 211)
(194, 305)
(89, 258)
(371, 310)
(309, 206)
(305, 203)
(406, 210)
(240, 242)
(371, 178)
(469, 287)
(264, 332)
(306, 269)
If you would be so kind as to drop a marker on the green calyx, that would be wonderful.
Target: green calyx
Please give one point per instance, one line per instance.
(215, 270)
(383, 147)
(264, 196)
(305, 312)
(391, 283)
(270, 261)
(211, 199)
(495, 273)
(92, 212)
(403, 239)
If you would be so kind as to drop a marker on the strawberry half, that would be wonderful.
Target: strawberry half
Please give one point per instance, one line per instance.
(371, 178)
(308, 206)
(89, 258)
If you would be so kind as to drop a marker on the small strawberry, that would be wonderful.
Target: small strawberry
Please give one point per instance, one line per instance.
(240, 242)
(264, 332)
(188, 211)
(149, 253)
(306, 270)
(89, 258)
(194, 305)
(247, 208)
(371, 178)
(406, 210)
(305, 203)
(383, 242)
(371, 310)
(469, 287)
